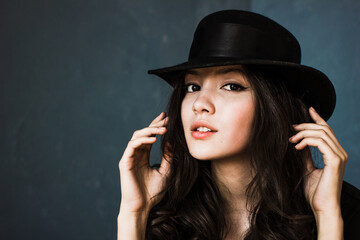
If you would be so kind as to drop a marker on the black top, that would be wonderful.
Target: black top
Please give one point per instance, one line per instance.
(350, 208)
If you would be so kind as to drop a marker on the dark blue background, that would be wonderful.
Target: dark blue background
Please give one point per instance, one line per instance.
(73, 87)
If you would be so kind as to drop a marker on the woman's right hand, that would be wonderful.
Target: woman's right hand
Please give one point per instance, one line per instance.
(141, 184)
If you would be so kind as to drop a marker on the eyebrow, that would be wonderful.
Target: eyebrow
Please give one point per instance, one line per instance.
(219, 72)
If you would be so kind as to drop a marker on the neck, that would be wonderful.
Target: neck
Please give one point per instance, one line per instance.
(232, 177)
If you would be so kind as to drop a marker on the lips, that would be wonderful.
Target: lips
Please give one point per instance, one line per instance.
(202, 126)
(201, 130)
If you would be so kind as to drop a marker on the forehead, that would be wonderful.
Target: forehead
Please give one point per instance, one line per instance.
(217, 70)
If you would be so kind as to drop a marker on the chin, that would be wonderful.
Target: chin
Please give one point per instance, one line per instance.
(203, 155)
(211, 155)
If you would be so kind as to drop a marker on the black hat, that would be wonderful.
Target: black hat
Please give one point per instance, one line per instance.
(240, 37)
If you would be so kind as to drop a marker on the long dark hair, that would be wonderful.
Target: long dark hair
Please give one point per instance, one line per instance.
(193, 208)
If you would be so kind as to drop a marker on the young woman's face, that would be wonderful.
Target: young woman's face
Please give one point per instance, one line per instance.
(217, 112)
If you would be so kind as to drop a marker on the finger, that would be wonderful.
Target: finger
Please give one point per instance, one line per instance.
(334, 164)
(329, 155)
(318, 133)
(304, 126)
(135, 144)
(325, 128)
(149, 131)
(158, 121)
(159, 117)
(319, 121)
(308, 126)
(162, 122)
(316, 117)
(127, 160)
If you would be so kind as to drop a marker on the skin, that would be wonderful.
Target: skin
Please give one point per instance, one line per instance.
(323, 189)
(223, 98)
(139, 182)
(212, 101)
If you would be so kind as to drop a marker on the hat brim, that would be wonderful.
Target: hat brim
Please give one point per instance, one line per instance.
(307, 83)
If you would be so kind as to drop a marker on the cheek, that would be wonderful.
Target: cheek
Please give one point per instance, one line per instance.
(185, 112)
(244, 115)
(240, 118)
(182, 113)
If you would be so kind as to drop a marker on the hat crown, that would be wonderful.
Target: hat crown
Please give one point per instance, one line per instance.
(243, 35)
(233, 37)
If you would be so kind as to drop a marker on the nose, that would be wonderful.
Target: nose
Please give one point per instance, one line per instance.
(204, 103)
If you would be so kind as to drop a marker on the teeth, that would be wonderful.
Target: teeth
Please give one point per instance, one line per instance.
(203, 129)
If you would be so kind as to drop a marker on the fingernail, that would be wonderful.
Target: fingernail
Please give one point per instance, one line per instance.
(312, 109)
(294, 125)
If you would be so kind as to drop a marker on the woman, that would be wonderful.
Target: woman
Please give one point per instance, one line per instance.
(236, 160)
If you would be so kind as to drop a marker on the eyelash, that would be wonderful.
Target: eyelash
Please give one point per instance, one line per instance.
(238, 87)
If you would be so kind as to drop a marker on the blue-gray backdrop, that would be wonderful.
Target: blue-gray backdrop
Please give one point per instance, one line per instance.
(73, 87)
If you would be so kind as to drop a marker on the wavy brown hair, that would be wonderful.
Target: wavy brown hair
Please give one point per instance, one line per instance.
(193, 208)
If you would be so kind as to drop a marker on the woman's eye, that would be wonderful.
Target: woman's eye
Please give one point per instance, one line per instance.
(192, 88)
(233, 87)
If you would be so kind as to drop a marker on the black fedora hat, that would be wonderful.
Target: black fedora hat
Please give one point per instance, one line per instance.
(233, 37)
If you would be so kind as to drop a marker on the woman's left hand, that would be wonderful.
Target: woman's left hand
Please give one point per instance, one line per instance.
(323, 186)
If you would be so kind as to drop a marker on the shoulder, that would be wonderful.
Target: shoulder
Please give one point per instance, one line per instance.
(350, 208)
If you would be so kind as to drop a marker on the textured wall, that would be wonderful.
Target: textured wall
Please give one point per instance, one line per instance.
(328, 32)
(73, 87)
